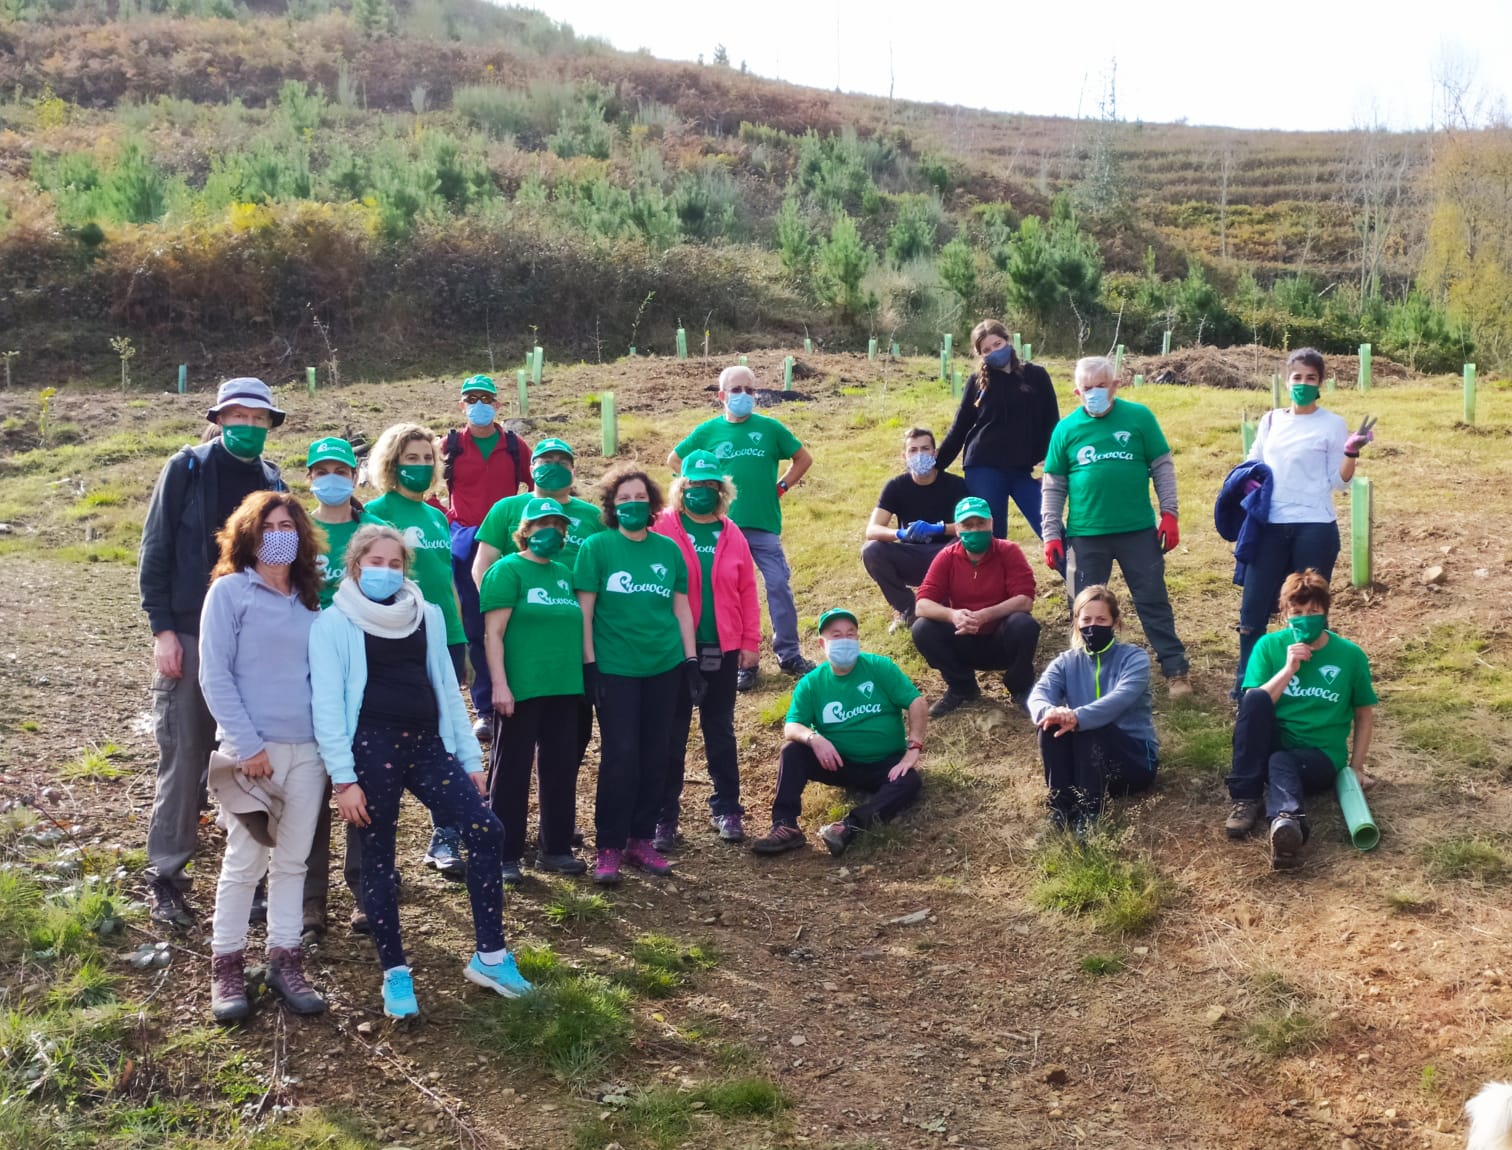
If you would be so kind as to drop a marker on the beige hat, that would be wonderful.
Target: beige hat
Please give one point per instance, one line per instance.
(258, 803)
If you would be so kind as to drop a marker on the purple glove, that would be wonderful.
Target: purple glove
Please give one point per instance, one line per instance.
(1358, 439)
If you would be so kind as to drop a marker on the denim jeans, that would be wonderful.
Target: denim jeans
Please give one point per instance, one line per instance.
(997, 484)
(1089, 561)
(472, 627)
(1262, 767)
(1284, 548)
(766, 550)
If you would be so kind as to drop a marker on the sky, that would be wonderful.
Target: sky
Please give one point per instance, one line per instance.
(1323, 64)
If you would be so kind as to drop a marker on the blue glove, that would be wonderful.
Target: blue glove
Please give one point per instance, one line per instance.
(931, 531)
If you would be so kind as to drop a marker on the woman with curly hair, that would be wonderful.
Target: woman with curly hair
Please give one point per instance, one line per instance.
(255, 675)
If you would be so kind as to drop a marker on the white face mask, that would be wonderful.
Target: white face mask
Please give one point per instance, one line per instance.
(842, 653)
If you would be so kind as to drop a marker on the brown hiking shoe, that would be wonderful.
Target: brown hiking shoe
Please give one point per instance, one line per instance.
(1178, 686)
(779, 839)
(228, 987)
(1243, 817)
(286, 975)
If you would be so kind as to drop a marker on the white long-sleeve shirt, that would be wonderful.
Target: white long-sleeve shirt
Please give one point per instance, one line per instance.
(1304, 453)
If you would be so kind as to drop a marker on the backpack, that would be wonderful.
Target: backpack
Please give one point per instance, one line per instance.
(452, 448)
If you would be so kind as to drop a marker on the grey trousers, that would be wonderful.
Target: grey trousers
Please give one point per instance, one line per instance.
(1089, 561)
(898, 568)
(766, 550)
(185, 733)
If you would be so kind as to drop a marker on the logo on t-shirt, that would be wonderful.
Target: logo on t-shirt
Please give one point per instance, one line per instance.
(1122, 437)
(835, 713)
(1296, 690)
(564, 585)
(540, 598)
(1329, 674)
(867, 688)
(755, 436)
(660, 569)
(727, 450)
(1089, 455)
(621, 584)
(417, 541)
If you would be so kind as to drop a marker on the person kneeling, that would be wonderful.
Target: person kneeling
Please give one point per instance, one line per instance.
(1092, 706)
(845, 728)
(1303, 687)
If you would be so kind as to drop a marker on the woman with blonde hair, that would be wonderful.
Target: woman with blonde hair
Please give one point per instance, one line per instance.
(255, 674)
(1092, 706)
(1003, 426)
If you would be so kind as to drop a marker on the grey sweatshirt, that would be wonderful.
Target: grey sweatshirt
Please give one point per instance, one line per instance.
(1107, 690)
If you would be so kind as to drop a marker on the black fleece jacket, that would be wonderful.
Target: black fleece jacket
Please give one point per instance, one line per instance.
(1007, 424)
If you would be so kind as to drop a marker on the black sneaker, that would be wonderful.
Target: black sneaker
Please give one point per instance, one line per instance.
(950, 701)
(745, 679)
(837, 836)
(797, 667)
(445, 854)
(512, 874)
(1286, 843)
(560, 864)
(169, 906)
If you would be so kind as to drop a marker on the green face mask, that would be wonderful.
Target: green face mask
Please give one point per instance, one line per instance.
(545, 542)
(700, 500)
(416, 477)
(1304, 394)
(633, 516)
(1307, 628)
(976, 542)
(245, 441)
(550, 477)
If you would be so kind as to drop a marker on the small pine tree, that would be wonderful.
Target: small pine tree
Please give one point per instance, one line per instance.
(721, 56)
(375, 18)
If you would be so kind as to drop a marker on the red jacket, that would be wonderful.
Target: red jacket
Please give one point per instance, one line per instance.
(954, 582)
(478, 483)
(737, 611)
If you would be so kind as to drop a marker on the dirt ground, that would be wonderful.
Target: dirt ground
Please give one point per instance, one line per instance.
(1249, 366)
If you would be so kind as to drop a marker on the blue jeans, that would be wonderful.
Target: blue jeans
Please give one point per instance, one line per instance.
(996, 484)
(472, 627)
(766, 550)
(1262, 767)
(1283, 549)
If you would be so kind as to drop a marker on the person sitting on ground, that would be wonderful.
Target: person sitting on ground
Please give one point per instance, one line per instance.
(1092, 706)
(254, 670)
(921, 502)
(845, 728)
(389, 717)
(1304, 687)
(974, 609)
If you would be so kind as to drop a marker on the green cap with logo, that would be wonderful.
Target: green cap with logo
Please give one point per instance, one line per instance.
(541, 508)
(479, 383)
(836, 613)
(332, 447)
(702, 465)
(549, 445)
(972, 507)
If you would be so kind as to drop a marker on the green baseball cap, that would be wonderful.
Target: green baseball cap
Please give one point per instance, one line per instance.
(549, 445)
(702, 465)
(332, 447)
(972, 507)
(836, 613)
(541, 508)
(479, 383)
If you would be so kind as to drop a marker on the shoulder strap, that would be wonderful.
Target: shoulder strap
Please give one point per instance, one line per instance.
(450, 450)
(512, 445)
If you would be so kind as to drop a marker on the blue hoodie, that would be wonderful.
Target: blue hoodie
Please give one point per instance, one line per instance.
(1239, 517)
(1111, 689)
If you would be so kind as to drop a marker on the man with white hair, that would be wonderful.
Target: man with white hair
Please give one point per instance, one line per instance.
(1101, 460)
(751, 447)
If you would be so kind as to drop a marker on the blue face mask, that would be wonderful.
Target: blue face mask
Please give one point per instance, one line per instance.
(1001, 359)
(921, 464)
(741, 404)
(1096, 400)
(481, 414)
(380, 583)
(842, 653)
(331, 489)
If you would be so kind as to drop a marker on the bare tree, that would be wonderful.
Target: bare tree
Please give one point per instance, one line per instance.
(1380, 165)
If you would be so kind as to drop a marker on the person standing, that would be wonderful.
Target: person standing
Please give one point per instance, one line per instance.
(481, 463)
(1007, 414)
(196, 493)
(921, 501)
(402, 465)
(726, 631)
(552, 473)
(255, 674)
(1101, 461)
(750, 447)
(638, 656)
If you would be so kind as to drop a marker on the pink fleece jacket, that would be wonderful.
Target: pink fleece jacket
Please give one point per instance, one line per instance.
(737, 614)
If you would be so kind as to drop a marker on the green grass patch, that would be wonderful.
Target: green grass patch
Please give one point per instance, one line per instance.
(574, 1025)
(663, 965)
(774, 713)
(1122, 896)
(96, 763)
(30, 726)
(1468, 857)
(1099, 965)
(1196, 740)
(572, 904)
(664, 1116)
(1284, 1023)
(1405, 901)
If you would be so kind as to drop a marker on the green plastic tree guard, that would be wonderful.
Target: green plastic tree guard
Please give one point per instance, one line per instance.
(611, 424)
(1275, 389)
(537, 364)
(944, 366)
(1138, 380)
(1246, 435)
(184, 377)
(787, 374)
(1361, 523)
(895, 354)
(1364, 367)
(1331, 385)
(682, 344)
(1469, 391)
(524, 393)
(947, 345)
(808, 346)
(1028, 353)
(310, 379)
(1018, 345)
(957, 384)
(745, 361)
(1362, 828)
(1165, 343)
(871, 349)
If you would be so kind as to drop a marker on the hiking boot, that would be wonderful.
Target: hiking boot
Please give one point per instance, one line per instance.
(606, 868)
(950, 701)
(730, 828)
(286, 975)
(642, 855)
(796, 666)
(399, 993)
(567, 863)
(1243, 817)
(511, 872)
(502, 977)
(745, 679)
(837, 836)
(169, 905)
(665, 838)
(315, 921)
(228, 987)
(1286, 843)
(359, 920)
(1179, 686)
(779, 839)
(445, 854)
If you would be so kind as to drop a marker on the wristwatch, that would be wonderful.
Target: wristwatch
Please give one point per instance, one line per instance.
(782, 485)
(915, 745)
(339, 787)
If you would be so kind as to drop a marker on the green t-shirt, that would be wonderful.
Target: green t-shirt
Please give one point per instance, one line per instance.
(332, 565)
(486, 445)
(750, 451)
(1317, 707)
(635, 632)
(543, 644)
(426, 531)
(862, 712)
(1107, 464)
(705, 538)
(503, 519)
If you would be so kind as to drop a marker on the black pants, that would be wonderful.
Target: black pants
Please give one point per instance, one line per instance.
(318, 870)
(898, 568)
(635, 732)
(716, 718)
(1010, 649)
(1083, 767)
(542, 732)
(1262, 767)
(799, 766)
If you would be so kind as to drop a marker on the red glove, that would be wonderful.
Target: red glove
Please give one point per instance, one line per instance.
(1168, 532)
(1055, 554)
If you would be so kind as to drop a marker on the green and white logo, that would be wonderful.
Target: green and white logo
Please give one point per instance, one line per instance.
(539, 597)
(620, 583)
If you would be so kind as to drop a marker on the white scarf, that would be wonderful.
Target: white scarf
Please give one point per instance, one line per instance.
(382, 620)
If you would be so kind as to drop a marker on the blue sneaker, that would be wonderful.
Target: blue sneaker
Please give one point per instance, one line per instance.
(501, 977)
(399, 993)
(445, 854)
